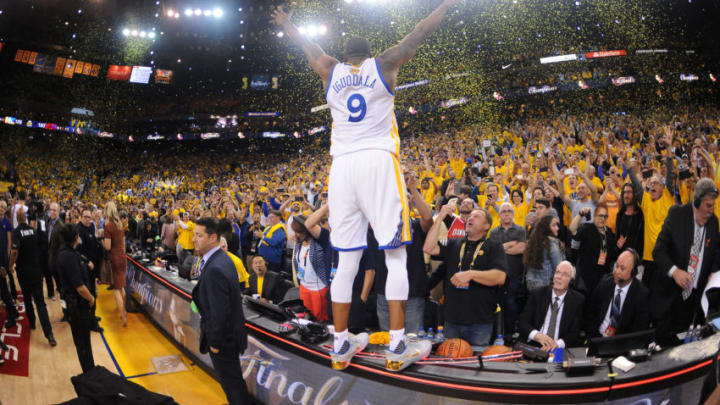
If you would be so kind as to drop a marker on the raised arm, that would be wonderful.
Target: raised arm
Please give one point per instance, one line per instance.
(312, 223)
(320, 62)
(391, 60)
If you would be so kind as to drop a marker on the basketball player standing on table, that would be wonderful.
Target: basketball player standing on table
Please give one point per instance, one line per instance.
(366, 180)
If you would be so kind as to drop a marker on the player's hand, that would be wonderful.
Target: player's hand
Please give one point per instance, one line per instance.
(214, 350)
(682, 279)
(3, 273)
(279, 16)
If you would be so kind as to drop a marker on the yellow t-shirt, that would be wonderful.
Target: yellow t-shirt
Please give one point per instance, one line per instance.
(458, 166)
(655, 213)
(243, 275)
(613, 205)
(482, 200)
(185, 236)
(429, 194)
(521, 212)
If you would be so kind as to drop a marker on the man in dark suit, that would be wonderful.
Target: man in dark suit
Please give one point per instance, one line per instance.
(685, 255)
(620, 303)
(268, 285)
(219, 302)
(553, 315)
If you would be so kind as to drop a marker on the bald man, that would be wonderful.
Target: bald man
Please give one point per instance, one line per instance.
(553, 315)
(620, 304)
(24, 257)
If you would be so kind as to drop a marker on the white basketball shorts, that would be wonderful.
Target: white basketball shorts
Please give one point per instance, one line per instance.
(368, 187)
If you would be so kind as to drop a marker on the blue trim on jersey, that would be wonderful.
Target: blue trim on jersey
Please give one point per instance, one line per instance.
(350, 249)
(389, 247)
(382, 79)
(332, 70)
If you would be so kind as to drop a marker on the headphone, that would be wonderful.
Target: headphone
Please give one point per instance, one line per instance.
(703, 191)
(636, 261)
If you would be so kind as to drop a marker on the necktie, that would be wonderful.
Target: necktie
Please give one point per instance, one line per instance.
(553, 317)
(196, 268)
(694, 251)
(615, 310)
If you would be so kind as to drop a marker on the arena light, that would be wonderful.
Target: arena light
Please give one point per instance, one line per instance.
(198, 11)
(143, 34)
(126, 32)
(188, 12)
(171, 13)
(134, 33)
(280, 34)
(217, 12)
(207, 13)
(322, 30)
(151, 35)
(559, 58)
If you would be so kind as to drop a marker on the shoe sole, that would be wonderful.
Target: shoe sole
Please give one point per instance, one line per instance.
(399, 365)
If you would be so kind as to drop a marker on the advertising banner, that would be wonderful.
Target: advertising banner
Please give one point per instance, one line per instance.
(163, 76)
(605, 54)
(69, 68)
(59, 66)
(116, 72)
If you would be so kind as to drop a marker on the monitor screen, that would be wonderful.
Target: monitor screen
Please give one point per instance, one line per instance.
(140, 74)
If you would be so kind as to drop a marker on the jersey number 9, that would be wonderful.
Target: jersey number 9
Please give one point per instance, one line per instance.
(357, 107)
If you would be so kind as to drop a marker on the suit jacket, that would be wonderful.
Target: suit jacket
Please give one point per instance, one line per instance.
(635, 313)
(219, 301)
(533, 316)
(273, 289)
(673, 248)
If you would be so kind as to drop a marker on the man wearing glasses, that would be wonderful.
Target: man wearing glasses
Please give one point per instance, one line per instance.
(553, 315)
(512, 237)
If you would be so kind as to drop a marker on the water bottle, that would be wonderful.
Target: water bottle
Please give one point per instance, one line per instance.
(421, 333)
(499, 340)
(430, 335)
(440, 336)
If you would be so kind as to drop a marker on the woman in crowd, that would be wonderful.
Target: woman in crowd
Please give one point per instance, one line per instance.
(168, 236)
(147, 237)
(312, 259)
(543, 253)
(630, 222)
(598, 246)
(75, 280)
(114, 243)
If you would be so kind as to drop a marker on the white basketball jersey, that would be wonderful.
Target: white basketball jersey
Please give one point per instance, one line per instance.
(362, 107)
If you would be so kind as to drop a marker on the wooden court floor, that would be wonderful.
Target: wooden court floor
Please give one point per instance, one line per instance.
(126, 351)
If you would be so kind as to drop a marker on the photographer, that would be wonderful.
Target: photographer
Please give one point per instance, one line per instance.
(74, 275)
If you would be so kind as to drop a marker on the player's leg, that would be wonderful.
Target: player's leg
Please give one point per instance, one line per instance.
(348, 234)
(388, 212)
(396, 292)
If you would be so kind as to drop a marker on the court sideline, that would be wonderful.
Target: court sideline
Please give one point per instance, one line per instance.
(126, 351)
